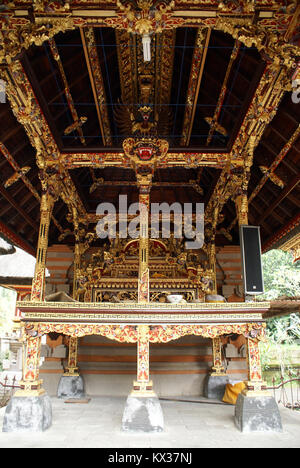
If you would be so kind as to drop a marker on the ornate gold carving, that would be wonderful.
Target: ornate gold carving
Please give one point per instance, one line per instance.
(16, 176)
(30, 384)
(72, 368)
(19, 33)
(38, 284)
(273, 177)
(197, 67)
(217, 368)
(146, 19)
(92, 60)
(241, 202)
(78, 122)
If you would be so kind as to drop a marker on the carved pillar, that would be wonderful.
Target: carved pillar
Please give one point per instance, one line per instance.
(217, 368)
(255, 384)
(256, 409)
(142, 384)
(143, 288)
(241, 204)
(212, 263)
(38, 284)
(142, 411)
(30, 385)
(216, 380)
(77, 264)
(72, 368)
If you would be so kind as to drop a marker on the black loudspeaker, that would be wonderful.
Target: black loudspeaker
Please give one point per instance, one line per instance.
(251, 259)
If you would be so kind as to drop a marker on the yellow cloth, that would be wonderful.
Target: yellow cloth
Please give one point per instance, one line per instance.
(232, 392)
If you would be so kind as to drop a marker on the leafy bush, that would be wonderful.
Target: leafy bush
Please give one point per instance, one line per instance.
(281, 275)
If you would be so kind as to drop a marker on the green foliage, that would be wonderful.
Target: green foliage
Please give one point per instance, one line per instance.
(283, 335)
(2, 357)
(281, 278)
(284, 330)
(7, 308)
(281, 275)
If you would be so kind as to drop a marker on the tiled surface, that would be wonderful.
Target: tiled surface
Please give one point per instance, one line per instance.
(187, 425)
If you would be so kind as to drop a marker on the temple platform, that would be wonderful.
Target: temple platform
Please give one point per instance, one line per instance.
(188, 424)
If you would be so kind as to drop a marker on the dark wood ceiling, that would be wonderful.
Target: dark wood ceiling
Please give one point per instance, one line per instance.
(272, 207)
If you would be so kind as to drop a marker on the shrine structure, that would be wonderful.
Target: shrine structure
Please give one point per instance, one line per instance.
(164, 102)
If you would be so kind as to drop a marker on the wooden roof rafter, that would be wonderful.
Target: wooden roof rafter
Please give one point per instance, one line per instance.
(214, 124)
(196, 74)
(76, 120)
(24, 104)
(267, 96)
(279, 158)
(95, 74)
(24, 178)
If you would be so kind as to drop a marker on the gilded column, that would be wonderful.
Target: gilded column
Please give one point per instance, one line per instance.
(212, 264)
(72, 368)
(30, 385)
(38, 284)
(77, 264)
(217, 368)
(241, 204)
(143, 284)
(255, 386)
(143, 383)
(71, 384)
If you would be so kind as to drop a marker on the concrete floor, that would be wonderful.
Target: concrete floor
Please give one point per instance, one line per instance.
(187, 425)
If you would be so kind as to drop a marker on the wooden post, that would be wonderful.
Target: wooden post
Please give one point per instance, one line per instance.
(72, 368)
(38, 284)
(143, 383)
(217, 368)
(143, 288)
(255, 384)
(30, 385)
(241, 204)
(212, 263)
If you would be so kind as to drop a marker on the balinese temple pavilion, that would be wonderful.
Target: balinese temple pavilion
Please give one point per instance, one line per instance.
(110, 110)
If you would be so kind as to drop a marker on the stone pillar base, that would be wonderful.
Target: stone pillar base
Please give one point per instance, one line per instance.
(143, 414)
(257, 413)
(28, 414)
(71, 386)
(214, 386)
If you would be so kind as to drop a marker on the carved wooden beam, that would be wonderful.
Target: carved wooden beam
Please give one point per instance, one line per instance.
(185, 159)
(261, 111)
(213, 122)
(97, 83)
(267, 28)
(281, 155)
(165, 46)
(67, 91)
(126, 50)
(196, 74)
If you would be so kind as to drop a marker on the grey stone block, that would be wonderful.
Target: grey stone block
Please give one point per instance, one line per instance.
(28, 414)
(71, 386)
(214, 386)
(142, 414)
(254, 414)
